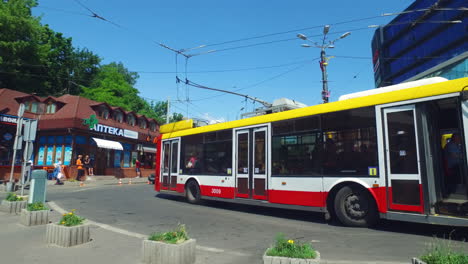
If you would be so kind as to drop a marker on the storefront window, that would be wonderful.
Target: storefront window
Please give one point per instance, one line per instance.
(7, 134)
(126, 160)
(40, 156)
(50, 153)
(68, 155)
(117, 155)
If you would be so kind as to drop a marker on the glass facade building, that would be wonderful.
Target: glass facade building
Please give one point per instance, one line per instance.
(421, 44)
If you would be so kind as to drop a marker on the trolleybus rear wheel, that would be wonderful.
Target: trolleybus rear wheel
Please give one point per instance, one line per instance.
(192, 192)
(354, 206)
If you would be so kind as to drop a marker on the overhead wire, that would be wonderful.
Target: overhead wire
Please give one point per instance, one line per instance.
(321, 26)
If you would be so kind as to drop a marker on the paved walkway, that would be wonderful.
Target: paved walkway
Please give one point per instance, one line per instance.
(109, 245)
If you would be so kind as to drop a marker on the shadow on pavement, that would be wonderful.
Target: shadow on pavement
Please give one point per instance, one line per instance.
(444, 232)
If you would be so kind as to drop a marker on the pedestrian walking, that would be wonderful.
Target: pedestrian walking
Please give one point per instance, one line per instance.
(79, 166)
(137, 168)
(91, 166)
(58, 172)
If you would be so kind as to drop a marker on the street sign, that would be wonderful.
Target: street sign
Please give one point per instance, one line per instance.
(18, 143)
(30, 129)
(28, 152)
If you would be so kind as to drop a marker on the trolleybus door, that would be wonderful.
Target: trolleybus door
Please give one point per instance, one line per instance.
(251, 163)
(170, 163)
(404, 187)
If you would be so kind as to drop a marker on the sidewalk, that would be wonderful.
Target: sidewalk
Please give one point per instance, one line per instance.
(101, 180)
(22, 244)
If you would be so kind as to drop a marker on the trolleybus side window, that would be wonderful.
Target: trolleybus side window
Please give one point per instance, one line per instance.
(350, 142)
(213, 152)
(295, 147)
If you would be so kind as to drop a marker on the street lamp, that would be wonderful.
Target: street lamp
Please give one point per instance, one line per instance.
(323, 58)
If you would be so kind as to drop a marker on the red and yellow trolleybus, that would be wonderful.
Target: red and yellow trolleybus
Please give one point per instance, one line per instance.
(398, 152)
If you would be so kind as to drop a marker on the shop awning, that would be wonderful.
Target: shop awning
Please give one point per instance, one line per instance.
(149, 150)
(108, 144)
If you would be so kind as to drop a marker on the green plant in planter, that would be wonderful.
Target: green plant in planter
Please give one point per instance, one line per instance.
(37, 206)
(12, 197)
(442, 252)
(291, 249)
(176, 236)
(71, 219)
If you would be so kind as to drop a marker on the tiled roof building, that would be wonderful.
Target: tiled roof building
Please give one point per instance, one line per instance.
(71, 125)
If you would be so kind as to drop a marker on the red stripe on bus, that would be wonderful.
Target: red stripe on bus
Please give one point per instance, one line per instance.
(316, 199)
(259, 197)
(180, 188)
(242, 195)
(380, 196)
(217, 191)
(403, 207)
(157, 172)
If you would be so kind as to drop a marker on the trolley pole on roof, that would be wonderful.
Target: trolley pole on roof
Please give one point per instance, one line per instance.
(323, 57)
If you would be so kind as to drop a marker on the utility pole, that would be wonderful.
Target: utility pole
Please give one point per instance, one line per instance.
(323, 67)
(323, 57)
(18, 144)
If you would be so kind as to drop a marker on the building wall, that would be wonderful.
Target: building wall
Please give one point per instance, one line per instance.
(416, 42)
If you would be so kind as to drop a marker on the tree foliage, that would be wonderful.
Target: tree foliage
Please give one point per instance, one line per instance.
(36, 59)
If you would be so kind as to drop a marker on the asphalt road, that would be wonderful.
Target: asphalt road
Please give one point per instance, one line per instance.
(244, 232)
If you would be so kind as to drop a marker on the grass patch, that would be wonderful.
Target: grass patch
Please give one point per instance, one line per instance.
(176, 236)
(12, 197)
(71, 219)
(442, 252)
(291, 249)
(37, 206)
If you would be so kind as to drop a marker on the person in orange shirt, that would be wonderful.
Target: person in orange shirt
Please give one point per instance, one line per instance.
(79, 166)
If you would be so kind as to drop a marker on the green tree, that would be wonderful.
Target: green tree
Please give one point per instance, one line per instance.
(21, 55)
(36, 59)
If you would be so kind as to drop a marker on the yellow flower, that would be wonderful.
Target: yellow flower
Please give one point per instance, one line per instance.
(63, 222)
(70, 213)
(290, 241)
(64, 214)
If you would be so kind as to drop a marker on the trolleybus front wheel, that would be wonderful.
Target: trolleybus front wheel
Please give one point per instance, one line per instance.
(192, 192)
(355, 206)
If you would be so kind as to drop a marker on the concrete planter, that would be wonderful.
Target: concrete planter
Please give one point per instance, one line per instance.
(155, 252)
(285, 260)
(13, 207)
(30, 218)
(417, 261)
(67, 236)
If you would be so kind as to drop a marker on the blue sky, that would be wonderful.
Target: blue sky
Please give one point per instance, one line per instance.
(269, 71)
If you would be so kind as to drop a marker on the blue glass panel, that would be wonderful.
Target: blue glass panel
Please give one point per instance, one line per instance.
(59, 139)
(126, 162)
(117, 155)
(42, 140)
(80, 140)
(50, 140)
(127, 146)
(67, 156)
(40, 156)
(68, 139)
